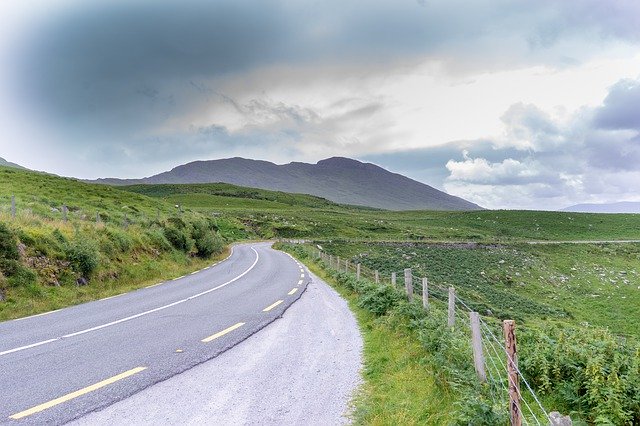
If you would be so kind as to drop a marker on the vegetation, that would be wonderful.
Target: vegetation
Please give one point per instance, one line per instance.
(576, 304)
(47, 262)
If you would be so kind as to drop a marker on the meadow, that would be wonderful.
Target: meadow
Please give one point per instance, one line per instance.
(564, 296)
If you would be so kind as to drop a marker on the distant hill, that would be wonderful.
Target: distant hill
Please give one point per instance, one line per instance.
(341, 180)
(621, 207)
(6, 163)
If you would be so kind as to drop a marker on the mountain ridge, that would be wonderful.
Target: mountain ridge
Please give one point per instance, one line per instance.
(617, 207)
(339, 179)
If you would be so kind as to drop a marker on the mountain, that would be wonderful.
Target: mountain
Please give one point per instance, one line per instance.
(338, 179)
(6, 163)
(621, 207)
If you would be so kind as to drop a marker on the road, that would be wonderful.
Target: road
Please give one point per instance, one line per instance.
(62, 365)
(299, 370)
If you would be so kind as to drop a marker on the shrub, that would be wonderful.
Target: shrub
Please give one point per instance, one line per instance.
(379, 300)
(84, 256)
(8, 243)
(157, 239)
(178, 239)
(208, 244)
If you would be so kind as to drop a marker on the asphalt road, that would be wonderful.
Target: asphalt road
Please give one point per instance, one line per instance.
(62, 365)
(299, 370)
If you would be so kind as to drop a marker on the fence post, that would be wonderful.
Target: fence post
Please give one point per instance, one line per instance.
(393, 279)
(452, 307)
(476, 341)
(408, 283)
(509, 328)
(425, 293)
(64, 212)
(358, 272)
(98, 217)
(377, 276)
(346, 266)
(330, 261)
(13, 206)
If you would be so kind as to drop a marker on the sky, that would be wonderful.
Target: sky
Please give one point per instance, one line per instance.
(510, 104)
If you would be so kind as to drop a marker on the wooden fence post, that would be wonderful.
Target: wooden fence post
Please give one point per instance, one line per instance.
(64, 212)
(98, 217)
(376, 275)
(13, 206)
(408, 283)
(346, 266)
(425, 293)
(476, 341)
(393, 279)
(509, 328)
(330, 261)
(358, 272)
(338, 263)
(452, 307)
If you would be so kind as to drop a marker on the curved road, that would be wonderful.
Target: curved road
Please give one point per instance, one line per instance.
(61, 365)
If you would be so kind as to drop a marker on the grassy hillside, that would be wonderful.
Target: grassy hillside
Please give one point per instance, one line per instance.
(279, 214)
(47, 262)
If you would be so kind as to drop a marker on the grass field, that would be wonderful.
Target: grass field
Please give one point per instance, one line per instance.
(583, 294)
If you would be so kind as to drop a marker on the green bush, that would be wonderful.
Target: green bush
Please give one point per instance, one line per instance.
(380, 300)
(8, 243)
(157, 239)
(178, 239)
(83, 256)
(209, 244)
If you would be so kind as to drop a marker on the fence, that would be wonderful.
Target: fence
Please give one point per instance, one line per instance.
(495, 358)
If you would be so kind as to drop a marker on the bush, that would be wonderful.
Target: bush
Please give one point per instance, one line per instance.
(178, 239)
(83, 256)
(121, 240)
(157, 239)
(379, 300)
(208, 244)
(8, 243)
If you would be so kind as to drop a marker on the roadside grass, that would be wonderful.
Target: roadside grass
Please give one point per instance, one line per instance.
(400, 377)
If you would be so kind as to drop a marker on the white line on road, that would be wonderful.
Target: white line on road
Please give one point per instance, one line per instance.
(77, 333)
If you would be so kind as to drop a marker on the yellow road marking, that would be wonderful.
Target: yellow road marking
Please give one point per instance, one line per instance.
(292, 291)
(270, 307)
(223, 332)
(76, 394)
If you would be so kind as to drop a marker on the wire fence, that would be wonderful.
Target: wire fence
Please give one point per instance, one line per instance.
(499, 365)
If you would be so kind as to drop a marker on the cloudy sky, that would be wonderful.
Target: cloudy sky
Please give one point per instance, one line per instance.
(507, 103)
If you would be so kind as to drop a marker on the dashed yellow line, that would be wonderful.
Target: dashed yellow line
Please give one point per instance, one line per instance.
(76, 394)
(223, 332)
(270, 307)
(292, 291)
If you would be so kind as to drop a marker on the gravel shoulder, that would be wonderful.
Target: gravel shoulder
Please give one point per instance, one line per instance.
(301, 369)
